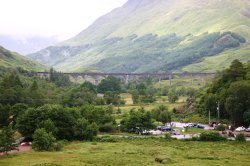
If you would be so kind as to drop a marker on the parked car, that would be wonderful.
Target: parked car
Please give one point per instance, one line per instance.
(248, 129)
(26, 144)
(240, 128)
(155, 132)
(164, 128)
(198, 126)
(175, 132)
(189, 125)
(194, 125)
(145, 132)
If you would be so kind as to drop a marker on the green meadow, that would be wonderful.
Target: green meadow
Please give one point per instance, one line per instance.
(138, 152)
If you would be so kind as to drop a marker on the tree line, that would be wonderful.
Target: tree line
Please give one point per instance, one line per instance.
(229, 95)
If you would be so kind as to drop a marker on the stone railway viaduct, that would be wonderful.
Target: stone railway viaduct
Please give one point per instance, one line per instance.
(126, 77)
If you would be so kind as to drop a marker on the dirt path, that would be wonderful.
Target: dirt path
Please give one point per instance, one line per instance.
(22, 149)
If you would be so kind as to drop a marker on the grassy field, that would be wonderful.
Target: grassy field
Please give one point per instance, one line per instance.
(13, 60)
(220, 61)
(138, 152)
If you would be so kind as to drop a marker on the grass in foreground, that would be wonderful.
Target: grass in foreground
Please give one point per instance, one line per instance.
(139, 152)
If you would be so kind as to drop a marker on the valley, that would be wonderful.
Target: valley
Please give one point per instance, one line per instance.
(152, 82)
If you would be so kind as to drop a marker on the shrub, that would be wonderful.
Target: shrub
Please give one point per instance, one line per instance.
(91, 131)
(240, 137)
(220, 128)
(43, 141)
(107, 127)
(106, 139)
(57, 146)
(211, 136)
(167, 137)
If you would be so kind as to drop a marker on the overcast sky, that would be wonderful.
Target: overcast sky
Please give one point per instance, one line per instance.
(62, 18)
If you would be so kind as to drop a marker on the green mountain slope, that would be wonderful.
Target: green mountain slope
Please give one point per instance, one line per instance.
(158, 35)
(13, 60)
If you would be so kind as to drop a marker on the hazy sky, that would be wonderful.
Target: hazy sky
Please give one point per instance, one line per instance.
(62, 18)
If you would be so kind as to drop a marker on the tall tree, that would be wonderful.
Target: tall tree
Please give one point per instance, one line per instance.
(238, 101)
(162, 114)
(172, 96)
(7, 141)
(110, 84)
(236, 70)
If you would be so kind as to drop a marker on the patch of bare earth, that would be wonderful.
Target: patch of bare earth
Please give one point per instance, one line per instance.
(21, 149)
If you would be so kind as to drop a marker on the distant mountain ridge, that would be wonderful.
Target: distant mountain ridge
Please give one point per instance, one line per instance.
(26, 45)
(10, 59)
(158, 36)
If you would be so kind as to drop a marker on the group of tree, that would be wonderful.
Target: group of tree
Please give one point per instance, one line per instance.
(48, 124)
(143, 93)
(229, 94)
(59, 79)
(31, 90)
(140, 120)
(87, 93)
(79, 123)
(161, 114)
(174, 92)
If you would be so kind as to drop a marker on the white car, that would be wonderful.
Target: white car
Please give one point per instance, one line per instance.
(189, 125)
(155, 132)
(240, 128)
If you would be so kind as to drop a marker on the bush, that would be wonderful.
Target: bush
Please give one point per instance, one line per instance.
(211, 136)
(91, 131)
(57, 146)
(107, 127)
(220, 128)
(43, 141)
(240, 137)
(167, 137)
(106, 139)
